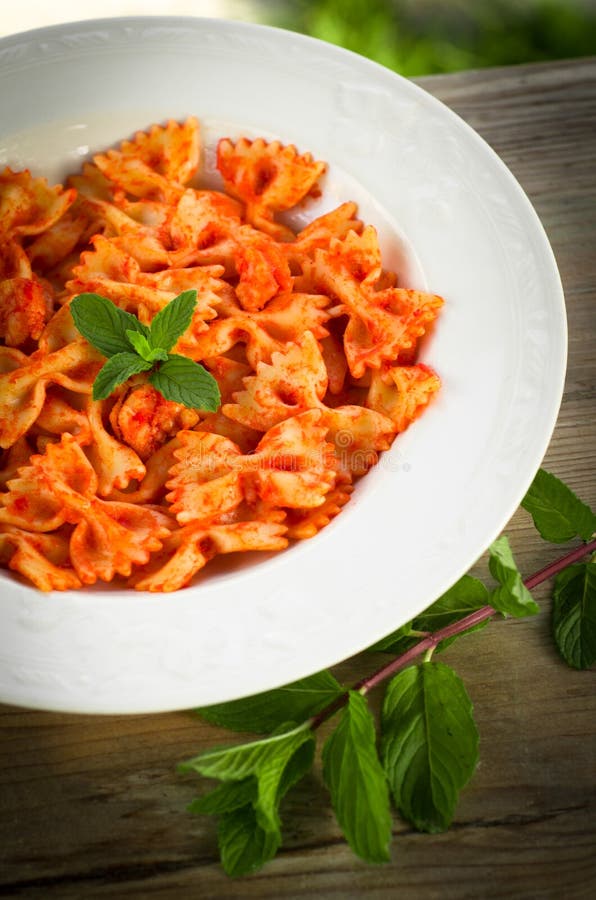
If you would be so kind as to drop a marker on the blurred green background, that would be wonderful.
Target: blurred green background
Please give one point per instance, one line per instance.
(421, 37)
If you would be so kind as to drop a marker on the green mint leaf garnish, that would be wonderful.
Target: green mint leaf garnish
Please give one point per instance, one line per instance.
(264, 712)
(117, 370)
(121, 337)
(429, 743)
(353, 773)
(184, 381)
(511, 597)
(265, 760)
(558, 514)
(244, 846)
(574, 614)
(104, 324)
(466, 596)
(226, 797)
(297, 767)
(143, 347)
(171, 322)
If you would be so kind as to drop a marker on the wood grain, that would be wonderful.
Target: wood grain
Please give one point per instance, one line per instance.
(92, 807)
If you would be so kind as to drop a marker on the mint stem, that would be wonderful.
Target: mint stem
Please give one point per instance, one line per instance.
(429, 643)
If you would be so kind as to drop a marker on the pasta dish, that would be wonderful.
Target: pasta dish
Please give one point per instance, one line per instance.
(312, 342)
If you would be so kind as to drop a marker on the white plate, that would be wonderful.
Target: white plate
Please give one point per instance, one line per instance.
(449, 484)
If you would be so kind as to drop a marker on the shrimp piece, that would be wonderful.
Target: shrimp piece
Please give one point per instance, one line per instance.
(145, 420)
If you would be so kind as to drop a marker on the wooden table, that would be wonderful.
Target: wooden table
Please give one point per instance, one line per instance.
(92, 807)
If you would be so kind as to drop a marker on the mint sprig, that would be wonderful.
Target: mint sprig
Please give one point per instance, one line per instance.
(574, 614)
(354, 775)
(512, 596)
(133, 347)
(430, 743)
(558, 513)
(428, 737)
(118, 369)
(104, 324)
(254, 778)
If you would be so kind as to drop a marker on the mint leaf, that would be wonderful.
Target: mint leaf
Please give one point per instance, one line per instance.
(466, 596)
(265, 712)
(171, 322)
(429, 743)
(116, 333)
(558, 513)
(574, 614)
(115, 371)
(265, 759)
(143, 347)
(247, 838)
(297, 767)
(245, 846)
(356, 781)
(184, 381)
(227, 796)
(104, 324)
(512, 597)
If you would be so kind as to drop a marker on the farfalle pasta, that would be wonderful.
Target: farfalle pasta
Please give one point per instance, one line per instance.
(312, 342)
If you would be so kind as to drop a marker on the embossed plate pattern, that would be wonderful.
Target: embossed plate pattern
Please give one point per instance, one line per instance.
(448, 485)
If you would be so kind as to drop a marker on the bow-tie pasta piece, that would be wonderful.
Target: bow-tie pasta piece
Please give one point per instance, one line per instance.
(29, 205)
(202, 220)
(262, 268)
(12, 459)
(269, 178)
(50, 254)
(58, 417)
(226, 335)
(25, 301)
(305, 523)
(61, 486)
(172, 149)
(294, 466)
(156, 164)
(115, 463)
(109, 270)
(41, 558)
(25, 379)
(58, 333)
(189, 549)
(144, 241)
(402, 392)
(207, 479)
(30, 503)
(319, 234)
(151, 488)
(294, 381)
(289, 315)
(381, 323)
